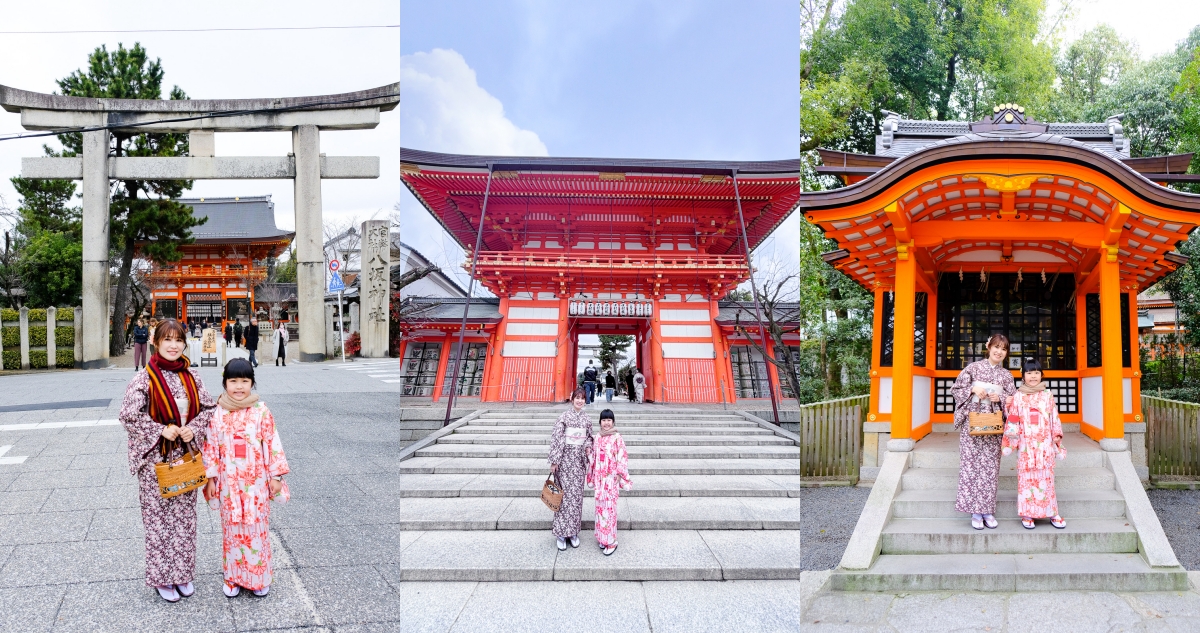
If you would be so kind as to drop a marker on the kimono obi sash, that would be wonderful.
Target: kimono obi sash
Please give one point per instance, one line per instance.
(574, 436)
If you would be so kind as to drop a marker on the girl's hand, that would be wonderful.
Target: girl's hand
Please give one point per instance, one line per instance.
(1009, 401)
(170, 432)
(186, 434)
(210, 489)
(275, 485)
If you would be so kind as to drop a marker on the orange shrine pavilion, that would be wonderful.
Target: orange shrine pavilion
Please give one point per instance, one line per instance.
(575, 246)
(1043, 232)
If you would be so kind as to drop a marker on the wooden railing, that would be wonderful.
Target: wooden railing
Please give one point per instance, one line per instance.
(831, 438)
(1172, 437)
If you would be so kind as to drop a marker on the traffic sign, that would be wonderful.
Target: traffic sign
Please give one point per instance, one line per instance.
(335, 283)
(334, 265)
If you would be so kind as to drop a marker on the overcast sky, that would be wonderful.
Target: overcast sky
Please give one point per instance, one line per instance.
(1155, 25)
(226, 65)
(702, 79)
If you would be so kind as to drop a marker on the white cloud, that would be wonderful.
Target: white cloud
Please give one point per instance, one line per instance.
(444, 109)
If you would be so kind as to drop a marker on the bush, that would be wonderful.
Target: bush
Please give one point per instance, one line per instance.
(10, 336)
(8, 314)
(353, 344)
(37, 335)
(64, 336)
(12, 359)
(37, 315)
(65, 358)
(65, 314)
(37, 359)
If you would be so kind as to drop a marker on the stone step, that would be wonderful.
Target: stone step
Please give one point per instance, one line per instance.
(477, 485)
(634, 513)
(1011, 573)
(621, 424)
(648, 413)
(630, 440)
(949, 459)
(1072, 504)
(956, 536)
(533, 466)
(626, 431)
(530, 555)
(1064, 479)
(635, 452)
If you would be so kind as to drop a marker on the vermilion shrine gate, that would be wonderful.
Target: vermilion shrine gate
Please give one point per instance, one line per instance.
(595, 246)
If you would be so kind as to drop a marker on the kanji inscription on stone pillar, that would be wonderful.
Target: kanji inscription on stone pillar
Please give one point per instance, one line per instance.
(375, 288)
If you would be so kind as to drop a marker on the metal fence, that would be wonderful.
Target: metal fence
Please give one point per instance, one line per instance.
(1172, 437)
(831, 438)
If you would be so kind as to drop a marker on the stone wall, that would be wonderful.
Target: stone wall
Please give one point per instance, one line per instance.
(416, 423)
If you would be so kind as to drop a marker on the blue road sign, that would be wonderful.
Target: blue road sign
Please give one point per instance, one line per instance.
(335, 283)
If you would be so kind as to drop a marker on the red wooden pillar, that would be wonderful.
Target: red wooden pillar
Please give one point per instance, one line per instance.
(440, 378)
(720, 362)
(562, 357)
(656, 357)
(493, 368)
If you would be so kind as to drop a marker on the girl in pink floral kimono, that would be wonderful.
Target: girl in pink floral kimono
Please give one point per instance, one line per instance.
(245, 465)
(1035, 432)
(609, 475)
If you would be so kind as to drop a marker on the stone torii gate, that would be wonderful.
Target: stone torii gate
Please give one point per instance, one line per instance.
(304, 117)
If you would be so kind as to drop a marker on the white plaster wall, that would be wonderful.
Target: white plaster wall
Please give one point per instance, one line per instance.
(532, 313)
(1127, 395)
(688, 350)
(529, 348)
(531, 329)
(1091, 401)
(885, 394)
(687, 331)
(922, 388)
(684, 315)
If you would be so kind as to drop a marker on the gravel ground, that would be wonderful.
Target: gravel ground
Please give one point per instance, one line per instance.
(1179, 513)
(829, 522)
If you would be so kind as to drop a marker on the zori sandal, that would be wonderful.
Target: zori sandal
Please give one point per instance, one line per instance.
(1058, 522)
(990, 522)
(1027, 523)
(977, 522)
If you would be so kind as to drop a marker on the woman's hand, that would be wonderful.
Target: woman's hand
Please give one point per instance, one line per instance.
(170, 432)
(210, 489)
(275, 485)
(554, 468)
(186, 434)
(994, 397)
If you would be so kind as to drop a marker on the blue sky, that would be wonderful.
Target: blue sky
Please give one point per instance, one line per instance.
(655, 79)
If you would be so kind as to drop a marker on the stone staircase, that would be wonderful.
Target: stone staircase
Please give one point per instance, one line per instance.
(714, 497)
(927, 545)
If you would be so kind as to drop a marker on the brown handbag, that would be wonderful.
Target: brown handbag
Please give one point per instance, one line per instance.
(181, 475)
(552, 493)
(986, 423)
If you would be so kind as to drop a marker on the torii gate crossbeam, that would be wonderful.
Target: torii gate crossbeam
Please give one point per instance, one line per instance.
(304, 117)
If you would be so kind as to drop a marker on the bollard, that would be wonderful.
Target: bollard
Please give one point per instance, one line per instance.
(78, 325)
(24, 338)
(51, 344)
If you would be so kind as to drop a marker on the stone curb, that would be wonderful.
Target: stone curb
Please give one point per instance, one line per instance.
(432, 438)
(1152, 541)
(770, 427)
(867, 538)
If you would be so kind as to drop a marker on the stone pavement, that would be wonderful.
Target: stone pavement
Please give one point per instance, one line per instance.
(1056, 612)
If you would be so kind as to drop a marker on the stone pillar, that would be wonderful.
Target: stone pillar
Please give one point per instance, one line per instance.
(331, 346)
(95, 250)
(51, 346)
(78, 325)
(24, 338)
(354, 323)
(310, 258)
(375, 288)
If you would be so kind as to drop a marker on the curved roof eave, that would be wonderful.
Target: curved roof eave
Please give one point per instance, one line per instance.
(975, 146)
(776, 168)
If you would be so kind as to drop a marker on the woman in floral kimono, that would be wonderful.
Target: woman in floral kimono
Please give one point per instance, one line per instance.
(166, 408)
(570, 453)
(609, 475)
(245, 465)
(981, 387)
(1035, 432)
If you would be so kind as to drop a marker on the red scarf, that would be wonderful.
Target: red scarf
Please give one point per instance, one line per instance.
(161, 403)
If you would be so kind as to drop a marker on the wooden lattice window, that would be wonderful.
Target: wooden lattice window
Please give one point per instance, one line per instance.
(943, 399)
(887, 337)
(1091, 320)
(1066, 393)
(1125, 351)
(920, 323)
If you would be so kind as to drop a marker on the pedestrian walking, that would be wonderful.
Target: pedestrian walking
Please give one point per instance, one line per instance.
(237, 333)
(141, 335)
(589, 382)
(608, 476)
(630, 392)
(153, 326)
(281, 341)
(610, 386)
(166, 408)
(228, 335)
(252, 340)
(981, 387)
(570, 453)
(245, 465)
(1035, 432)
(639, 384)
